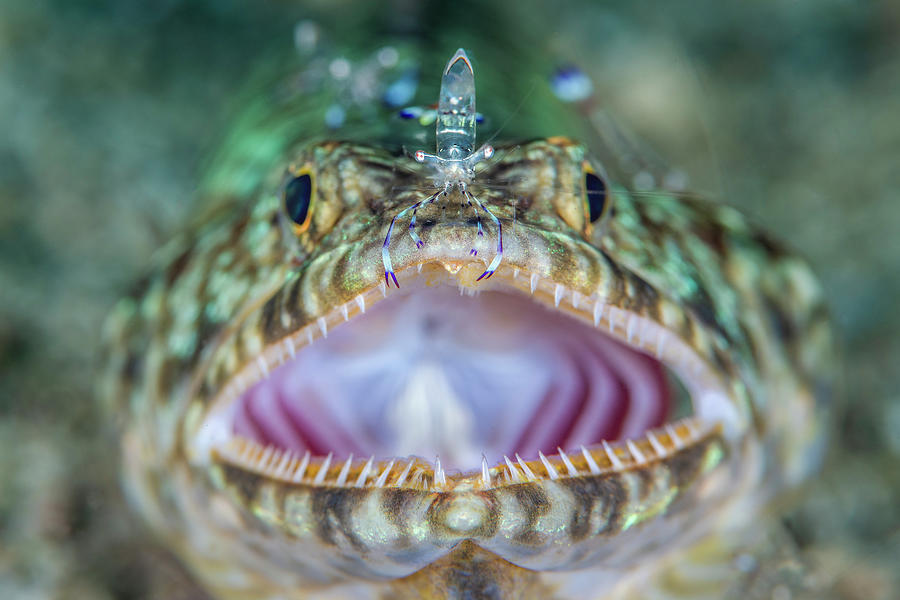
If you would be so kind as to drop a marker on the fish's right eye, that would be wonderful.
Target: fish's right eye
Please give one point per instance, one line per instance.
(595, 196)
(298, 196)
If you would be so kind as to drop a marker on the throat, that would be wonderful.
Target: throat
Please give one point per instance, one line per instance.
(429, 418)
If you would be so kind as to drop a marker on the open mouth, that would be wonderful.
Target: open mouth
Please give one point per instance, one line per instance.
(500, 383)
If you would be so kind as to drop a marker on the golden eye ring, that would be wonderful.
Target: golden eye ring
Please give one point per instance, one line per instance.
(298, 198)
(596, 195)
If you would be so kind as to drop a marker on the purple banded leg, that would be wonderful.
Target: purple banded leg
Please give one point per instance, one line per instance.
(499, 255)
(469, 198)
(412, 231)
(385, 252)
(386, 257)
(412, 223)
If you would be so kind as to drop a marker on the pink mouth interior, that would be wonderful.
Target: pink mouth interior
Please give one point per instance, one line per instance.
(433, 373)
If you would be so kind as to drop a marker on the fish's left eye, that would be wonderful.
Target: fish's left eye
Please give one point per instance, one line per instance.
(298, 200)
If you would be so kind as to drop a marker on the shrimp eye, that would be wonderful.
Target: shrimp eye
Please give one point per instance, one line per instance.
(298, 195)
(595, 196)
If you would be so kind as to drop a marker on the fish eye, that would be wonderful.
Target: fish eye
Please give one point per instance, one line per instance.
(595, 195)
(298, 196)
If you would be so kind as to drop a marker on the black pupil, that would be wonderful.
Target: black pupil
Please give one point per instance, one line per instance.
(297, 195)
(596, 195)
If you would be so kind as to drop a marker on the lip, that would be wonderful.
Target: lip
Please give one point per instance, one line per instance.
(715, 412)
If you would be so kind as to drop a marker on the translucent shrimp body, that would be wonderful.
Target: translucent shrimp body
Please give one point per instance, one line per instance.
(454, 163)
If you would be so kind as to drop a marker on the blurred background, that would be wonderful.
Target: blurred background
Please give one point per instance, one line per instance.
(110, 109)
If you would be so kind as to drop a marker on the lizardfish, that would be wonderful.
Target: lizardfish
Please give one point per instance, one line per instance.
(488, 372)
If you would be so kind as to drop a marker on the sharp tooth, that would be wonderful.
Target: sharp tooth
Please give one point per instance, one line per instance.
(253, 452)
(361, 480)
(630, 327)
(382, 479)
(383, 288)
(558, 294)
(244, 452)
(576, 299)
(692, 427)
(657, 445)
(273, 462)
(661, 342)
(323, 326)
(598, 312)
(569, 466)
(592, 464)
(361, 303)
(610, 453)
(266, 455)
(534, 282)
(309, 335)
(243, 449)
(419, 267)
(636, 452)
(551, 470)
(402, 479)
(647, 335)
(612, 318)
(674, 436)
(525, 468)
(281, 469)
(439, 477)
(342, 476)
(513, 471)
(344, 312)
(515, 272)
(263, 366)
(485, 472)
(291, 465)
(260, 452)
(251, 455)
(301, 470)
(289, 344)
(320, 476)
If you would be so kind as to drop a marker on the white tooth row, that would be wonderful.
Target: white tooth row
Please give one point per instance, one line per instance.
(518, 471)
(638, 331)
(289, 467)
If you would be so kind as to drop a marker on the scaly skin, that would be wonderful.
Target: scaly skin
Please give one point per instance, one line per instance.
(238, 292)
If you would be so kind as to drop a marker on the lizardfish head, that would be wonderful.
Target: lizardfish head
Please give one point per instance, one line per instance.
(634, 371)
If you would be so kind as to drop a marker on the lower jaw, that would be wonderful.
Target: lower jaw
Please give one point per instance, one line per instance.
(656, 446)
